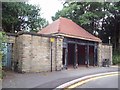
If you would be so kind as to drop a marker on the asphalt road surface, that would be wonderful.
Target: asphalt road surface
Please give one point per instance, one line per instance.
(105, 82)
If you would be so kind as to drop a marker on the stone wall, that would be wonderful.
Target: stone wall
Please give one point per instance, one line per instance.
(104, 52)
(34, 53)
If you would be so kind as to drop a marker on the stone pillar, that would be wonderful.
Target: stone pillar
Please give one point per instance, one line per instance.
(66, 57)
(19, 46)
(26, 56)
(87, 55)
(75, 61)
(59, 45)
(53, 50)
(95, 53)
(99, 54)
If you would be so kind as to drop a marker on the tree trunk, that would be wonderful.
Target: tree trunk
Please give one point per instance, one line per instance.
(119, 37)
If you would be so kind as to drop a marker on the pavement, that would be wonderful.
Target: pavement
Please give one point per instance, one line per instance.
(0, 84)
(50, 79)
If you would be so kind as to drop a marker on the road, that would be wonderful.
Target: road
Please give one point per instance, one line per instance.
(49, 79)
(105, 82)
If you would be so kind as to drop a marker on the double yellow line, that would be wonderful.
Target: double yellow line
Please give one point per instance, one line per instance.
(89, 79)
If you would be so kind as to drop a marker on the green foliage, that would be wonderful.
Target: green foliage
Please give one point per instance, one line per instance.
(2, 74)
(19, 16)
(100, 17)
(84, 14)
(2, 40)
(1, 60)
(116, 58)
(86, 18)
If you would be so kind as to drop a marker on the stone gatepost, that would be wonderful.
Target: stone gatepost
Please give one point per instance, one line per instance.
(107, 52)
(104, 52)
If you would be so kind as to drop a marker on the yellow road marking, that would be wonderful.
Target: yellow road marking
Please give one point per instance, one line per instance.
(87, 80)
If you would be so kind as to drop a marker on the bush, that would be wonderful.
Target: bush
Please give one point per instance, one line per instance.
(2, 74)
(2, 40)
(116, 58)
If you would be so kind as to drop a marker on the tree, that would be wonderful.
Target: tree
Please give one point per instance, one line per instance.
(84, 14)
(112, 24)
(18, 16)
(102, 18)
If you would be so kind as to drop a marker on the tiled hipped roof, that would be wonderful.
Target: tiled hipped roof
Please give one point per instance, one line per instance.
(68, 28)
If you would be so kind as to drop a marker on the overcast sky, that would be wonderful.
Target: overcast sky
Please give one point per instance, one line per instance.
(48, 7)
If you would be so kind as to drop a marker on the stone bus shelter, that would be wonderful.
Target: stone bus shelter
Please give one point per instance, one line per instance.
(79, 46)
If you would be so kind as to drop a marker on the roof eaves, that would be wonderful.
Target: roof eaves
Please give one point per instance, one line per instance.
(73, 36)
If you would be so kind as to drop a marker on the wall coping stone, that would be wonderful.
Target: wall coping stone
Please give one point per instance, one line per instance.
(107, 44)
(31, 33)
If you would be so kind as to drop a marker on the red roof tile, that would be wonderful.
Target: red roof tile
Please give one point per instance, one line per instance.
(68, 28)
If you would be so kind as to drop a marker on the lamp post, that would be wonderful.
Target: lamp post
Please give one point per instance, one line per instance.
(109, 39)
(109, 51)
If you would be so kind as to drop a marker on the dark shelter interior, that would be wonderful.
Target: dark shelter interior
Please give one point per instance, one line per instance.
(79, 54)
(71, 54)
